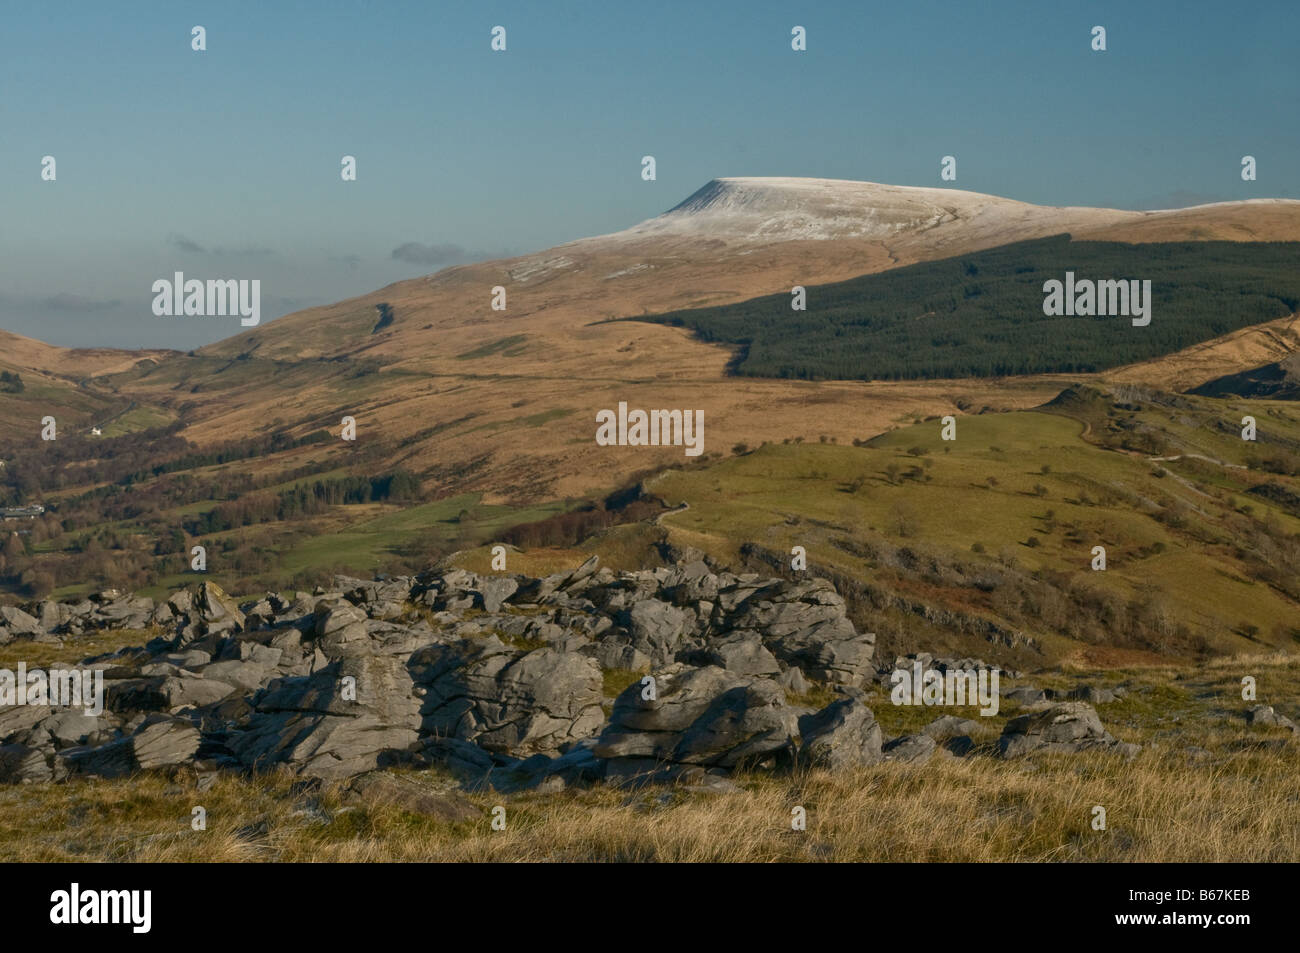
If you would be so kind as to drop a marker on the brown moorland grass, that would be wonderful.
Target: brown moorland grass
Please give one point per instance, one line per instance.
(1162, 806)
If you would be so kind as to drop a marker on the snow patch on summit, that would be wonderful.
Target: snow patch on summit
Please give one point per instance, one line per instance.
(787, 209)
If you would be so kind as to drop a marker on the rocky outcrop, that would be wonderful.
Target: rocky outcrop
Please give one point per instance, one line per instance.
(107, 609)
(500, 679)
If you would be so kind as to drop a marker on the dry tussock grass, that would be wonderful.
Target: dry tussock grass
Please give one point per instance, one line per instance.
(1162, 806)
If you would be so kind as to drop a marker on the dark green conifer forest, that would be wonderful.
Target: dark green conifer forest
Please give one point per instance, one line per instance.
(981, 315)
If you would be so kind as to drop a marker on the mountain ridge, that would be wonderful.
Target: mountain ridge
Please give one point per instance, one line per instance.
(502, 401)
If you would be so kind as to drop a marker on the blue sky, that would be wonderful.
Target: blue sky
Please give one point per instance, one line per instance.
(225, 163)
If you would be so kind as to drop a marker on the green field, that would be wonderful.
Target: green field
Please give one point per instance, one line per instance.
(357, 540)
(366, 545)
(135, 419)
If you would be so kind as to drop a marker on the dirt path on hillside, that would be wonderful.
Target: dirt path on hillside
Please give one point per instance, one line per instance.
(1198, 456)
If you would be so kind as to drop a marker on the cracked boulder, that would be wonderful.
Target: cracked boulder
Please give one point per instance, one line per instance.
(703, 716)
(804, 623)
(344, 719)
(509, 700)
(159, 741)
(842, 734)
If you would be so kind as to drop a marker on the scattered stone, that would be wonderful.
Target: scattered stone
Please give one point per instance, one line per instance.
(960, 746)
(910, 749)
(1265, 715)
(1064, 726)
(1092, 695)
(950, 726)
(1027, 695)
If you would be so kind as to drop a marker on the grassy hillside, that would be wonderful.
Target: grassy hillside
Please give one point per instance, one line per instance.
(982, 545)
(981, 314)
(985, 544)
